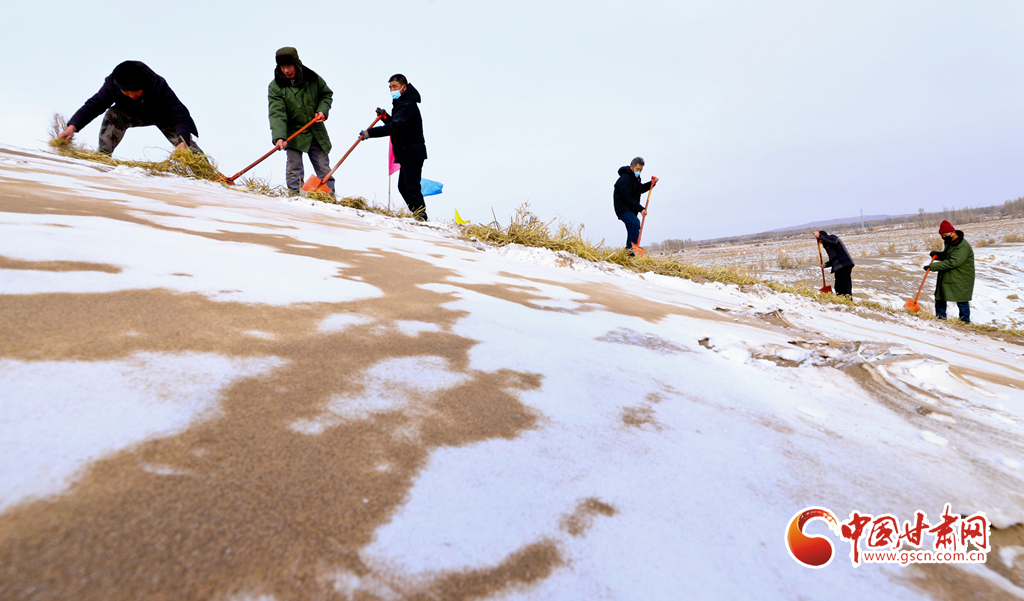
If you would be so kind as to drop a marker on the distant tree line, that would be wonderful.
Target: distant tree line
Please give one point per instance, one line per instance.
(957, 217)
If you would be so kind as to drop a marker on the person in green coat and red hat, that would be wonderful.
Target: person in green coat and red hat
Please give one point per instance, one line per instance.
(955, 269)
(296, 95)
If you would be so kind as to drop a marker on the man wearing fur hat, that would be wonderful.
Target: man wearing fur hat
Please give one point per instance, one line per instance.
(296, 96)
(955, 269)
(134, 96)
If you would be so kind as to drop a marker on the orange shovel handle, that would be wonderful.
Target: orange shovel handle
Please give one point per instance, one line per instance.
(921, 287)
(353, 147)
(231, 180)
(647, 204)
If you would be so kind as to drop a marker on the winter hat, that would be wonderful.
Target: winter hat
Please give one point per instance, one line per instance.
(130, 76)
(822, 233)
(946, 227)
(287, 56)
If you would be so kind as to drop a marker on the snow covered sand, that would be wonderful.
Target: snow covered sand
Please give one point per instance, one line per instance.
(211, 394)
(889, 262)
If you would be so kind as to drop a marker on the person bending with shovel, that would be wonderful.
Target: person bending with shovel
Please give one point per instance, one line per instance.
(627, 200)
(954, 267)
(405, 127)
(296, 96)
(839, 260)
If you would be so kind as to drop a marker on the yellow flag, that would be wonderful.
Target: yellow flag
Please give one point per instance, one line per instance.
(458, 218)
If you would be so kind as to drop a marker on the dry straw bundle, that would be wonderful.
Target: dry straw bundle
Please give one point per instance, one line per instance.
(179, 162)
(526, 229)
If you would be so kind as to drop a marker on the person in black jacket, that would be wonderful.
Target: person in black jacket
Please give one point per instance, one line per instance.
(405, 126)
(134, 96)
(627, 199)
(839, 260)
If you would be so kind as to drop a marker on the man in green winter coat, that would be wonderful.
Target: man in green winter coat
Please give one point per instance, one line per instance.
(955, 269)
(296, 96)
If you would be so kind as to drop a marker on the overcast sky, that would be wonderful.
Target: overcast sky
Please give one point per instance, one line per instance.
(755, 115)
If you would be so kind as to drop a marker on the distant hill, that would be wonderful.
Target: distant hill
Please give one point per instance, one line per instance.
(841, 221)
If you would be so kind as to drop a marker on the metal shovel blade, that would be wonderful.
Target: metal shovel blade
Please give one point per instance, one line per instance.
(826, 290)
(315, 184)
(638, 251)
(911, 305)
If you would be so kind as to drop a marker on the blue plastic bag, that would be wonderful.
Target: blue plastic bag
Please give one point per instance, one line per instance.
(430, 187)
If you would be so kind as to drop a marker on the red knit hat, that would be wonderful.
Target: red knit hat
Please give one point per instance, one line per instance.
(946, 227)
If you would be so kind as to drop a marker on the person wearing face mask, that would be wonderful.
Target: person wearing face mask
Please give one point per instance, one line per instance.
(296, 95)
(628, 189)
(954, 267)
(135, 96)
(405, 127)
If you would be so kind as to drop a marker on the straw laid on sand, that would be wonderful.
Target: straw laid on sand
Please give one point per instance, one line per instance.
(182, 162)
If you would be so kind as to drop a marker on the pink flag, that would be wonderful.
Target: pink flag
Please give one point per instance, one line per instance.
(392, 165)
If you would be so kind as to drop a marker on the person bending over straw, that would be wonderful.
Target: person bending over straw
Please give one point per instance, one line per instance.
(134, 96)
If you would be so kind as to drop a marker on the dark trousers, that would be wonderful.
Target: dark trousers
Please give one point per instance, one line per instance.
(632, 227)
(116, 122)
(844, 283)
(295, 174)
(965, 311)
(409, 176)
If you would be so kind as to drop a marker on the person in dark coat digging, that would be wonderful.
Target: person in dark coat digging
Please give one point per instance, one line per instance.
(405, 127)
(135, 96)
(954, 267)
(627, 199)
(839, 260)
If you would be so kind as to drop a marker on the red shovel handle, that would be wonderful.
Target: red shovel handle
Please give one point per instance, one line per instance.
(231, 180)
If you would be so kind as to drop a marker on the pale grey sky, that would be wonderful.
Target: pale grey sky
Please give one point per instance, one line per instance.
(755, 115)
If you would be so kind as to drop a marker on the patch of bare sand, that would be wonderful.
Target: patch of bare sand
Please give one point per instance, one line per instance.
(245, 505)
(638, 417)
(9, 263)
(964, 373)
(648, 341)
(949, 583)
(582, 518)
(597, 297)
(1007, 556)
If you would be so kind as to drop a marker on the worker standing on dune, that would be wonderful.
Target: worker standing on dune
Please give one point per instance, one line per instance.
(405, 127)
(954, 267)
(839, 260)
(295, 97)
(627, 199)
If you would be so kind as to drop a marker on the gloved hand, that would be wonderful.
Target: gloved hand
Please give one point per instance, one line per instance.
(382, 112)
(363, 135)
(934, 254)
(927, 267)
